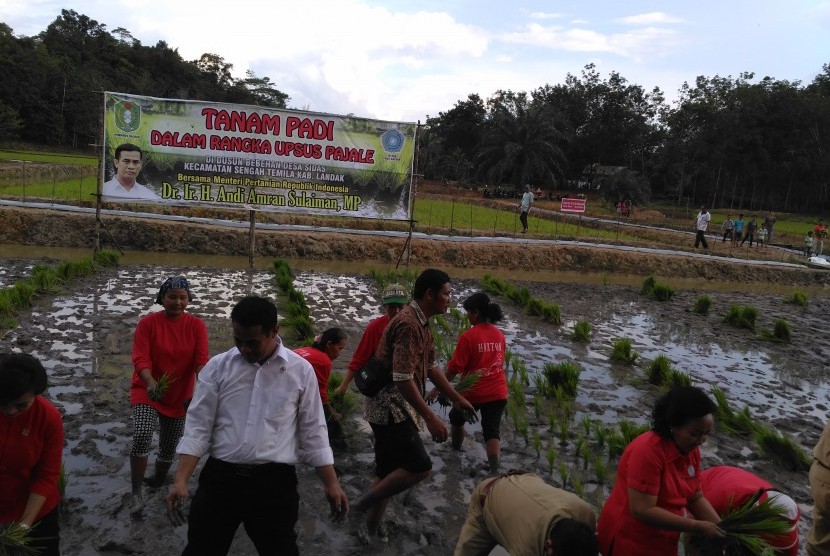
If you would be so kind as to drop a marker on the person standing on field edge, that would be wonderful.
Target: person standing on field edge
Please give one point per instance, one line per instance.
(820, 232)
(751, 226)
(524, 207)
(256, 413)
(769, 224)
(701, 224)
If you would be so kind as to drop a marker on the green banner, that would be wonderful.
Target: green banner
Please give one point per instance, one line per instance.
(193, 153)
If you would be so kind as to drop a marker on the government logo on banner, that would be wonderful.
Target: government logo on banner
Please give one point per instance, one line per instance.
(127, 116)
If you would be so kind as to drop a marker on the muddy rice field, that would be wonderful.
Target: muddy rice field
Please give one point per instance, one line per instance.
(84, 338)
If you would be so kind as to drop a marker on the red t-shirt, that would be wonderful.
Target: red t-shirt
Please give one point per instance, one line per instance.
(31, 446)
(322, 368)
(482, 347)
(368, 343)
(169, 346)
(727, 487)
(652, 465)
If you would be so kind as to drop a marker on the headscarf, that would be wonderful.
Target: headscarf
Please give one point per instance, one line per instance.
(174, 283)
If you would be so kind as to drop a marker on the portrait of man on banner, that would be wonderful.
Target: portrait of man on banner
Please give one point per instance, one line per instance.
(124, 185)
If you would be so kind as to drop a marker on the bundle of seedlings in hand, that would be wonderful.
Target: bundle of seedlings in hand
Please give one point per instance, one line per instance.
(747, 528)
(16, 540)
(464, 383)
(162, 386)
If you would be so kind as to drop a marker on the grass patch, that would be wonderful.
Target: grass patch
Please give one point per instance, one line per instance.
(782, 450)
(658, 370)
(106, 257)
(622, 351)
(564, 375)
(677, 378)
(739, 423)
(798, 298)
(781, 332)
(702, 305)
(741, 316)
(582, 331)
(655, 290)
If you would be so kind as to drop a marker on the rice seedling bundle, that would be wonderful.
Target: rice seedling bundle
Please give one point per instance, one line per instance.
(658, 370)
(702, 305)
(677, 378)
(798, 298)
(748, 527)
(622, 351)
(782, 450)
(16, 540)
(564, 375)
(582, 331)
(162, 387)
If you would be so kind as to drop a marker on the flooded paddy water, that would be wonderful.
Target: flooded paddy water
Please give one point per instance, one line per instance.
(84, 338)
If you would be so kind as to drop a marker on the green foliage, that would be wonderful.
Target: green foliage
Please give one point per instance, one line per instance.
(630, 430)
(346, 404)
(521, 296)
(677, 378)
(16, 540)
(302, 326)
(106, 257)
(658, 370)
(728, 420)
(601, 469)
(798, 298)
(564, 375)
(741, 316)
(662, 292)
(782, 450)
(648, 285)
(550, 457)
(702, 305)
(622, 351)
(781, 330)
(537, 444)
(582, 331)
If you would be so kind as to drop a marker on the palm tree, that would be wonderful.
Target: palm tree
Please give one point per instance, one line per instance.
(521, 144)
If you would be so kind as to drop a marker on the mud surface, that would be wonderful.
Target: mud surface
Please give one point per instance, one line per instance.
(84, 337)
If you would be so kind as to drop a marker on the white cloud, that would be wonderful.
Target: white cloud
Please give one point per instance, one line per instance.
(652, 18)
(545, 15)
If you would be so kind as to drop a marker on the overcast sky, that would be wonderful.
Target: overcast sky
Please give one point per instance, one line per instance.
(404, 60)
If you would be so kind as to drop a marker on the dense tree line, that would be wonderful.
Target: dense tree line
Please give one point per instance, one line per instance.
(49, 91)
(725, 141)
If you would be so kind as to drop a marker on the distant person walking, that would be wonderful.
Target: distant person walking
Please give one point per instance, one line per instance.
(703, 218)
(819, 233)
(728, 228)
(739, 229)
(808, 244)
(524, 207)
(769, 224)
(751, 226)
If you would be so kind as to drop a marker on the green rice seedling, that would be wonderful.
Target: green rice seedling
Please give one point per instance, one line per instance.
(564, 375)
(106, 257)
(746, 527)
(294, 310)
(551, 313)
(45, 279)
(662, 292)
(582, 331)
(468, 381)
(648, 285)
(677, 378)
(630, 430)
(586, 424)
(302, 326)
(540, 383)
(566, 409)
(702, 305)
(16, 540)
(537, 406)
(782, 450)
(520, 296)
(600, 435)
(578, 486)
(741, 316)
(658, 370)
(781, 330)
(162, 387)
(616, 444)
(296, 296)
(7, 322)
(798, 298)
(601, 469)
(550, 456)
(493, 285)
(520, 370)
(552, 420)
(578, 444)
(564, 473)
(516, 391)
(7, 306)
(537, 444)
(512, 412)
(345, 404)
(22, 294)
(586, 454)
(622, 351)
(564, 430)
(728, 420)
(522, 428)
(560, 396)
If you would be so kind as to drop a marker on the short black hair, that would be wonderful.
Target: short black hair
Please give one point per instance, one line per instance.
(430, 279)
(678, 407)
(255, 311)
(129, 147)
(573, 538)
(480, 302)
(20, 374)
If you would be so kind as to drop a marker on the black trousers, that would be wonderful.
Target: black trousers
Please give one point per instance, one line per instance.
(47, 533)
(700, 238)
(261, 497)
(523, 218)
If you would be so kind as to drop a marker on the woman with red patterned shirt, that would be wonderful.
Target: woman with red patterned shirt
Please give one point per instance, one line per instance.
(31, 447)
(481, 349)
(659, 483)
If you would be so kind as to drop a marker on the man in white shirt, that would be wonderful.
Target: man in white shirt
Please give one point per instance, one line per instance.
(524, 207)
(256, 412)
(124, 185)
(703, 218)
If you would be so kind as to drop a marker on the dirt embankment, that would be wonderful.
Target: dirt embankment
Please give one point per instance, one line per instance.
(62, 229)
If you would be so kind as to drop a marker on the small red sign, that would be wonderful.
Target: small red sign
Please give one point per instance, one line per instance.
(573, 205)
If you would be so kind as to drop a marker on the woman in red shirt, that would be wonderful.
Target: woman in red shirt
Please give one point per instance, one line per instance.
(325, 349)
(658, 481)
(171, 342)
(31, 447)
(481, 348)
